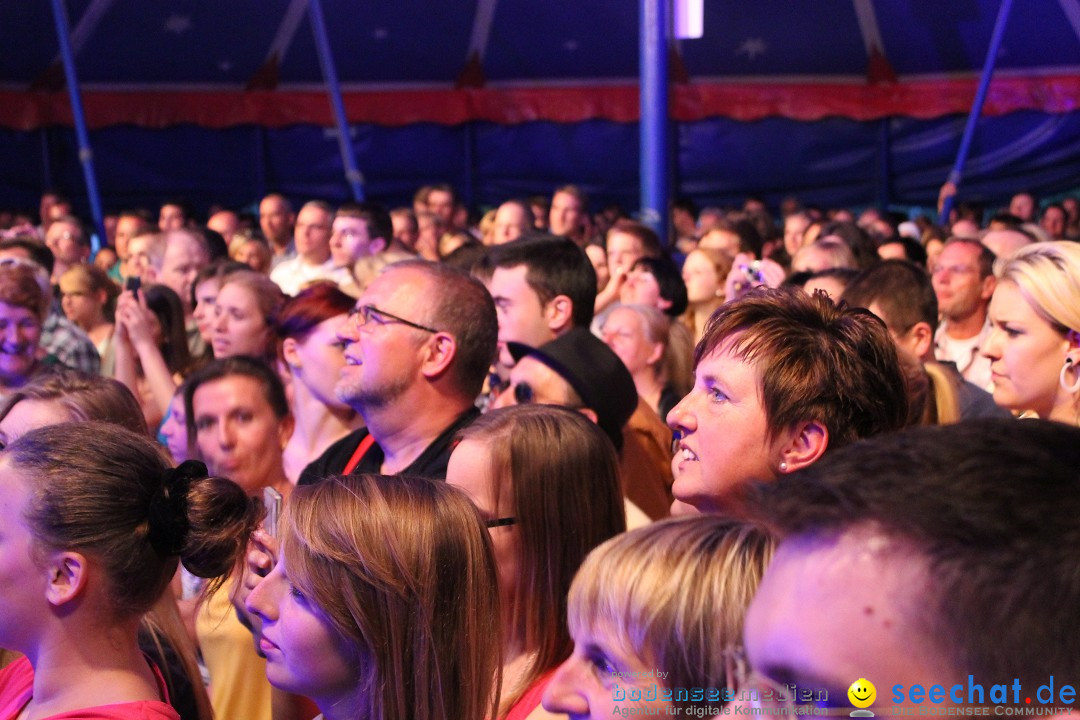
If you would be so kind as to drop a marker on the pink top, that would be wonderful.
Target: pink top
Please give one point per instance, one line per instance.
(17, 687)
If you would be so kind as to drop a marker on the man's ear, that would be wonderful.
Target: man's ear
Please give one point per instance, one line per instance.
(919, 339)
(559, 313)
(292, 357)
(440, 354)
(67, 577)
(988, 284)
(377, 245)
(805, 446)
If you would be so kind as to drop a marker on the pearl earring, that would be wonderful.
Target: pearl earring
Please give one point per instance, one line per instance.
(783, 467)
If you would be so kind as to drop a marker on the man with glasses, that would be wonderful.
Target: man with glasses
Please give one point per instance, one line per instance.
(964, 282)
(938, 564)
(417, 348)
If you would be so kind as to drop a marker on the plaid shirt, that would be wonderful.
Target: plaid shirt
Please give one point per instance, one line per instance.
(70, 345)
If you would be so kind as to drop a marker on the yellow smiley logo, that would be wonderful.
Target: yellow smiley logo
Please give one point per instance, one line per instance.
(862, 693)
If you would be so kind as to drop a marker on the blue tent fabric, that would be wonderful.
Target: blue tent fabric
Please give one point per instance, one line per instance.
(839, 102)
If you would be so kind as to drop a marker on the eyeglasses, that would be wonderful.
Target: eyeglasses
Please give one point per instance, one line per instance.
(501, 522)
(368, 313)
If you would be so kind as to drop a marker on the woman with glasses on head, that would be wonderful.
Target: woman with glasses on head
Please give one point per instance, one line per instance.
(94, 524)
(667, 598)
(546, 481)
(382, 603)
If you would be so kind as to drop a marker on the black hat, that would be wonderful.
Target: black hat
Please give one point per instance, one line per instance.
(594, 371)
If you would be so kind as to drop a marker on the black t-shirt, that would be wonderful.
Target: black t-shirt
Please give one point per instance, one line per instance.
(431, 463)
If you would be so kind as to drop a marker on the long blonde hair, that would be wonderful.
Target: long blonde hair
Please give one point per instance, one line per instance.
(402, 568)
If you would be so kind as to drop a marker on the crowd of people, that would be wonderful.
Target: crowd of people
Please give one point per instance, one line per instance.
(411, 463)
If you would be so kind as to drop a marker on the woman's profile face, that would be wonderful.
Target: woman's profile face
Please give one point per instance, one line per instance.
(304, 653)
(601, 679)
(23, 581)
(239, 326)
(319, 359)
(1026, 353)
(724, 440)
(20, 333)
(470, 470)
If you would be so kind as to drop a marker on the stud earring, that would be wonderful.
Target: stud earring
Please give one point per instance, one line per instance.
(783, 467)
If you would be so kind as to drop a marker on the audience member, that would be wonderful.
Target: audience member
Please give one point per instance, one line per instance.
(936, 557)
(641, 336)
(672, 595)
(382, 604)
(627, 242)
(578, 371)
(204, 291)
(312, 261)
(703, 274)
(542, 287)
(313, 357)
(238, 415)
(547, 483)
(245, 312)
(781, 378)
(964, 282)
(513, 219)
(902, 295)
(61, 396)
(657, 282)
(1033, 346)
(1003, 243)
(67, 240)
(175, 214)
(568, 213)
(418, 346)
(93, 511)
(88, 298)
(24, 305)
(276, 219)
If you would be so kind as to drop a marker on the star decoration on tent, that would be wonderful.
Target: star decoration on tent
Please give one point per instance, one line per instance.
(178, 24)
(751, 48)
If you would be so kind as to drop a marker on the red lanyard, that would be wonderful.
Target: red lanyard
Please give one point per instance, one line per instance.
(358, 454)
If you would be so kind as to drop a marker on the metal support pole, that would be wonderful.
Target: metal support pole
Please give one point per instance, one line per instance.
(86, 155)
(976, 108)
(333, 88)
(655, 164)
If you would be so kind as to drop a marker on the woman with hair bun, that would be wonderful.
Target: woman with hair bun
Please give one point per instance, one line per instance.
(94, 525)
(382, 605)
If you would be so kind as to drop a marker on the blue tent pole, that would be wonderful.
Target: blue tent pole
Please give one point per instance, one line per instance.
(86, 154)
(654, 169)
(333, 88)
(976, 108)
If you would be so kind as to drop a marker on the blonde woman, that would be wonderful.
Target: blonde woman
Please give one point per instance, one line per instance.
(1034, 343)
(670, 596)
